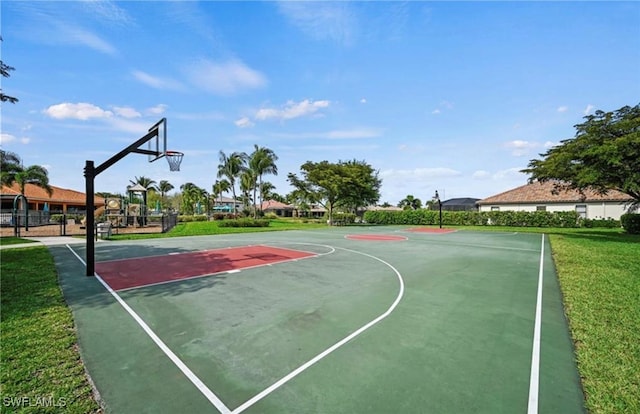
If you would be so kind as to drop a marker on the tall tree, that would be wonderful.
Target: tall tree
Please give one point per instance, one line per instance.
(145, 182)
(5, 71)
(410, 203)
(12, 171)
(220, 187)
(350, 184)
(603, 155)
(247, 184)
(192, 195)
(231, 167)
(262, 161)
(163, 188)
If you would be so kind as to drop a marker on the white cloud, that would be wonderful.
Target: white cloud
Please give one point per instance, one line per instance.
(25, 140)
(82, 111)
(126, 112)
(79, 36)
(588, 109)
(244, 123)
(334, 21)
(520, 147)
(508, 174)
(481, 175)
(226, 78)
(6, 138)
(563, 108)
(435, 111)
(157, 110)
(292, 110)
(550, 144)
(420, 173)
(363, 101)
(157, 82)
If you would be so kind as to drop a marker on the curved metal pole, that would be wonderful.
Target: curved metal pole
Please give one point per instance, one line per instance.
(15, 214)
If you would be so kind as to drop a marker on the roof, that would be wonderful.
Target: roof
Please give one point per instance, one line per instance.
(460, 202)
(59, 195)
(275, 205)
(538, 192)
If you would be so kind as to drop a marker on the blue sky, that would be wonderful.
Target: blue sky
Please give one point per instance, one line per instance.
(448, 96)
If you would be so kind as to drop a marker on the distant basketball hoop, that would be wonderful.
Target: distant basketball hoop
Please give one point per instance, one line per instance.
(174, 158)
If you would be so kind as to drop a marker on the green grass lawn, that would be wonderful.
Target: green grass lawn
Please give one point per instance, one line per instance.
(14, 240)
(201, 228)
(40, 366)
(599, 272)
(599, 275)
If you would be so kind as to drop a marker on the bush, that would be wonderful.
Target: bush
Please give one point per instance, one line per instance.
(602, 223)
(631, 223)
(271, 216)
(244, 222)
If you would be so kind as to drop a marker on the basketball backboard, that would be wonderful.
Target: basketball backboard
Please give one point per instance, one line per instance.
(158, 144)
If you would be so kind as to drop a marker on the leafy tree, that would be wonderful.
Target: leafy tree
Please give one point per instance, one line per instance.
(191, 196)
(348, 184)
(603, 155)
(12, 172)
(262, 161)
(231, 167)
(4, 70)
(410, 203)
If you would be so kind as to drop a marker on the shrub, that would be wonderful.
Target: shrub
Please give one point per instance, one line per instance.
(271, 216)
(631, 223)
(602, 223)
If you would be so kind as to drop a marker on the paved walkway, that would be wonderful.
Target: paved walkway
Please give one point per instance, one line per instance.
(47, 241)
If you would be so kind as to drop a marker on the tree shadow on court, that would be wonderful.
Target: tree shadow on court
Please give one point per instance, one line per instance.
(82, 291)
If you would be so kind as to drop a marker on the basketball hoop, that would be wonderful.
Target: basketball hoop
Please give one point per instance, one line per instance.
(174, 158)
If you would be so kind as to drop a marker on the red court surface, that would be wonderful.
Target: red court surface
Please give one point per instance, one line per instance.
(375, 237)
(144, 271)
(430, 230)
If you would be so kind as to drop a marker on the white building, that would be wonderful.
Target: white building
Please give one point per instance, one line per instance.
(539, 196)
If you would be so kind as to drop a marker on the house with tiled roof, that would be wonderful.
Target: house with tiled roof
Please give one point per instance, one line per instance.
(277, 207)
(539, 196)
(61, 200)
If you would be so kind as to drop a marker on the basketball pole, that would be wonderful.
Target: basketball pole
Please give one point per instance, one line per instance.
(90, 173)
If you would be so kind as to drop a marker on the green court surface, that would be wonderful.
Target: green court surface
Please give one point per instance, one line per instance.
(388, 321)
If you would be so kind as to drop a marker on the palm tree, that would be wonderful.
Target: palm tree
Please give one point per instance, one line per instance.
(191, 195)
(145, 182)
(220, 187)
(410, 203)
(262, 161)
(163, 188)
(12, 171)
(247, 183)
(231, 167)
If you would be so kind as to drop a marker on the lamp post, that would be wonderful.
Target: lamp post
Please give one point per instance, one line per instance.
(436, 199)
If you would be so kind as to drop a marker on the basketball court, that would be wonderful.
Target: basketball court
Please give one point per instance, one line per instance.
(341, 320)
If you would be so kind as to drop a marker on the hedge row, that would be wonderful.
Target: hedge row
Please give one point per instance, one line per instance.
(477, 218)
(189, 218)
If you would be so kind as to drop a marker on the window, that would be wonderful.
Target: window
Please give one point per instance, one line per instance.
(541, 208)
(495, 208)
(581, 209)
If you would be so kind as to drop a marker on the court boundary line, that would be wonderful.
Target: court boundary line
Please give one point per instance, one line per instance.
(267, 391)
(208, 394)
(534, 379)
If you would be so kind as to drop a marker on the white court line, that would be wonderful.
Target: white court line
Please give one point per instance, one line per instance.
(534, 380)
(332, 348)
(173, 357)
